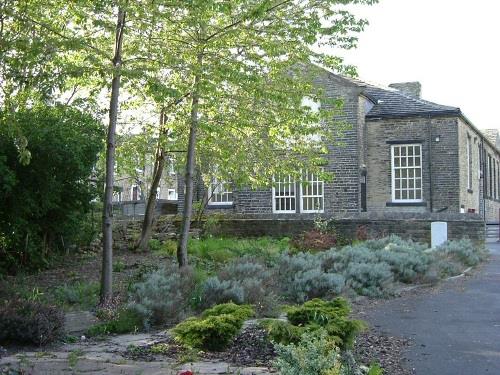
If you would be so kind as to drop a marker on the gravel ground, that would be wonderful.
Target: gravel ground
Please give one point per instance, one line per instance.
(249, 348)
(388, 351)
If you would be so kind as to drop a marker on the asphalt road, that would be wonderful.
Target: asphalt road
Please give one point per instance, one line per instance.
(456, 330)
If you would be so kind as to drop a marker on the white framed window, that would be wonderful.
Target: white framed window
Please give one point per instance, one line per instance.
(312, 197)
(406, 165)
(284, 194)
(171, 194)
(220, 193)
(158, 192)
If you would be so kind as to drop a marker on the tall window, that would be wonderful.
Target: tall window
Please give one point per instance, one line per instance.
(311, 192)
(469, 163)
(494, 179)
(490, 177)
(220, 193)
(406, 173)
(284, 194)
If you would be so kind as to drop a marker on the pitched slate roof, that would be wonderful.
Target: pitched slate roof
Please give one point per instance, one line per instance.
(390, 102)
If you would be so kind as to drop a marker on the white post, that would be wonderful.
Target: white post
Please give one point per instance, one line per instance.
(439, 233)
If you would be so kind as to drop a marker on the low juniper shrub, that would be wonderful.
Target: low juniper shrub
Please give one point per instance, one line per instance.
(215, 329)
(30, 322)
(333, 316)
(280, 331)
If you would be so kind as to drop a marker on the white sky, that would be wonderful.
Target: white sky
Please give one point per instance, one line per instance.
(451, 46)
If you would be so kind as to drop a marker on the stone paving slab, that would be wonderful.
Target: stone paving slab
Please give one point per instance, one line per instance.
(104, 357)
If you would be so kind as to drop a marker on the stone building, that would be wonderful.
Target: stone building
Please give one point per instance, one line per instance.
(401, 154)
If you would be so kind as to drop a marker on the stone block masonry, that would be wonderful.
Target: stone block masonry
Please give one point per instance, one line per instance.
(415, 226)
(406, 225)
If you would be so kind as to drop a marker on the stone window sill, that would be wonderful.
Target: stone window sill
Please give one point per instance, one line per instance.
(406, 204)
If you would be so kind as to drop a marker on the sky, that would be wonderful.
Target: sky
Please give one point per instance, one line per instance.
(452, 47)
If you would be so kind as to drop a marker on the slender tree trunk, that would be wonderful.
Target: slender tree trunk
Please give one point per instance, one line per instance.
(107, 215)
(182, 257)
(147, 224)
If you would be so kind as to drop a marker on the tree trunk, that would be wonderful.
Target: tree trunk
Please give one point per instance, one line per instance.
(182, 257)
(107, 215)
(147, 224)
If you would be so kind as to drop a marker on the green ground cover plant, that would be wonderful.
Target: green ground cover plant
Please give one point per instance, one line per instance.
(125, 321)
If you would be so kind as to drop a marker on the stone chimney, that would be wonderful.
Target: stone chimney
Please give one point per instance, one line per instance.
(412, 89)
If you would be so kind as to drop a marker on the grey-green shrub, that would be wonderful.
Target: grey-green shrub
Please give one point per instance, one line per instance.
(369, 279)
(163, 296)
(215, 291)
(242, 281)
(464, 251)
(301, 278)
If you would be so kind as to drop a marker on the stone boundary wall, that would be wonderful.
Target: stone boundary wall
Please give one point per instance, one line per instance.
(413, 226)
(407, 225)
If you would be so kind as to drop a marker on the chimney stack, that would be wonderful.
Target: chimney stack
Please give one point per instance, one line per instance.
(412, 89)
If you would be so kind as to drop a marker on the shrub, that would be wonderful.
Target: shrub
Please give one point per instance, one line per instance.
(369, 279)
(282, 332)
(315, 240)
(242, 281)
(126, 321)
(301, 278)
(314, 354)
(215, 329)
(154, 244)
(164, 295)
(464, 251)
(406, 263)
(214, 291)
(29, 322)
(83, 294)
(330, 315)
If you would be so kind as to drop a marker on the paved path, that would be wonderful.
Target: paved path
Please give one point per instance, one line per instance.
(456, 330)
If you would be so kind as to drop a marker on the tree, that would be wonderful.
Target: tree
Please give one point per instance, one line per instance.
(43, 204)
(107, 216)
(247, 65)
